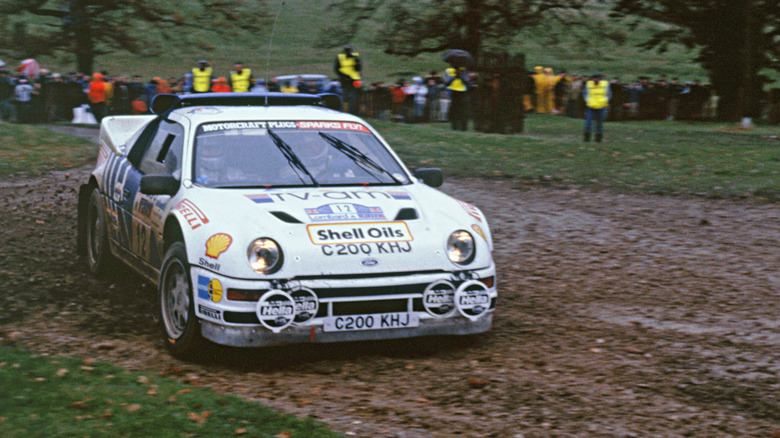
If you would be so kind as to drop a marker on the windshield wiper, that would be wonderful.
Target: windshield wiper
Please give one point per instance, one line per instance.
(292, 159)
(361, 159)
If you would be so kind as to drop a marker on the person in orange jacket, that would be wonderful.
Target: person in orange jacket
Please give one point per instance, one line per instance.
(96, 94)
(221, 86)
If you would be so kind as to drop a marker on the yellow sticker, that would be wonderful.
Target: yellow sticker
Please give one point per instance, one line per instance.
(215, 290)
(476, 228)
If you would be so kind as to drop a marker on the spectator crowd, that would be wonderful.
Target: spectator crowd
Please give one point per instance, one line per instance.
(433, 97)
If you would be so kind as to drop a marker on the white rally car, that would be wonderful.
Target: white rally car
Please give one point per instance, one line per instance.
(273, 219)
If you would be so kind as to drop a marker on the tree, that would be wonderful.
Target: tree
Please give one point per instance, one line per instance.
(737, 38)
(89, 28)
(411, 28)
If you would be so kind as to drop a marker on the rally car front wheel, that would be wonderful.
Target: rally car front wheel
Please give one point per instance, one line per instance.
(180, 327)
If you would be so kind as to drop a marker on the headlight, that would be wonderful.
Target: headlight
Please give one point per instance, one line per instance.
(460, 247)
(265, 256)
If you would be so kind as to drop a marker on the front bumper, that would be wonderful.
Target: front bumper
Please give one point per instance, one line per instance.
(258, 336)
(238, 324)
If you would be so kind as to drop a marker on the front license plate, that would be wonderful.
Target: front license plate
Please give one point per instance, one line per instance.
(375, 321)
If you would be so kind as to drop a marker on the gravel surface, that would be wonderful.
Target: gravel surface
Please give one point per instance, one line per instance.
(619, 315)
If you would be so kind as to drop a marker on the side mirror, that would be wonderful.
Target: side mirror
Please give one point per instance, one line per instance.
(159, 185)
(331, 101)
(430, 176)
(162, 103)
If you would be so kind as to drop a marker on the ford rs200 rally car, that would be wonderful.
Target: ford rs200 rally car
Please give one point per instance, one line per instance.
(269, 219)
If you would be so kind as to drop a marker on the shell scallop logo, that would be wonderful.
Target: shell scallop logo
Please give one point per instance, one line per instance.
(217, 244)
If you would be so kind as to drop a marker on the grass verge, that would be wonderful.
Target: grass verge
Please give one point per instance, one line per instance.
(663, 157)
(32, 150)
(65, 397)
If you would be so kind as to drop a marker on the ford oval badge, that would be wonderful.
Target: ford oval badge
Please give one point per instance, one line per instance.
(369, 262)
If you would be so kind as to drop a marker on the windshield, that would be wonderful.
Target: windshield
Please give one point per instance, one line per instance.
(266, 154)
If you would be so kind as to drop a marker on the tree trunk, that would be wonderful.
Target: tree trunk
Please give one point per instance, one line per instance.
(85, 48)
(474, 25)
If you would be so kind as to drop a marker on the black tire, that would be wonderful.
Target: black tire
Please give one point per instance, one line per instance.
(98, 253)
(179, 325)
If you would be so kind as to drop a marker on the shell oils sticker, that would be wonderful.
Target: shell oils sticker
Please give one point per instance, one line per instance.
(329, 234)
(479, 231)
(342, 212)
(471, 210)
(192, 214)
(217, 244)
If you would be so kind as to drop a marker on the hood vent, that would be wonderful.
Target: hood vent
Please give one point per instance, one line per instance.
(406, 214)
(286, 217)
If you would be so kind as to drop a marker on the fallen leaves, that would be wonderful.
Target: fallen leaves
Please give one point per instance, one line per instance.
(199, 418)
(135, 407)
(81, 404)
(478, 382)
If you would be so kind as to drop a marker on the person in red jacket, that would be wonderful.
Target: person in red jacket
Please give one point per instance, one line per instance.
(96, 95)
(221, 86)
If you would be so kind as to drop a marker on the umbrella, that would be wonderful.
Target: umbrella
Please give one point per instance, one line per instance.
(458, 58)
(30, 68)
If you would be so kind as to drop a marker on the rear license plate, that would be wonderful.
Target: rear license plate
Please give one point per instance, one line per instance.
(375, 321)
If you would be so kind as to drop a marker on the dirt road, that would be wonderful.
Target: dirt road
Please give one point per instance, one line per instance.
(618, 316)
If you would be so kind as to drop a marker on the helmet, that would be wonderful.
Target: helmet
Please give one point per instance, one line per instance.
(211, 163)
(312, 149)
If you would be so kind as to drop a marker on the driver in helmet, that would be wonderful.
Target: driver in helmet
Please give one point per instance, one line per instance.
(325, 164)
(217, 164)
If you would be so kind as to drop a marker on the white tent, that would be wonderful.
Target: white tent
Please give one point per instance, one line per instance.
(2, 64)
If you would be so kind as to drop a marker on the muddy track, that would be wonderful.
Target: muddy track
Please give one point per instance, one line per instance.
(619, 315)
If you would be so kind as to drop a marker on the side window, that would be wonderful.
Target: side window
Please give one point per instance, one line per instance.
(141, 142)
(163, 156)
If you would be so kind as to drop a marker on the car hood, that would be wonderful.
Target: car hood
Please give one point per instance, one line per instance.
(331, 231)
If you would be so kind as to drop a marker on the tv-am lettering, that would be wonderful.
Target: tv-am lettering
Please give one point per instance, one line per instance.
(338, 195)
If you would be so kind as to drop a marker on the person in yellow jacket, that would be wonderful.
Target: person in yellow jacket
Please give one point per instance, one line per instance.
(201, 77)
(240, 78)
(549, 90)
(347, 67)
(597, 94)
(540, 84)
(457, 84)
